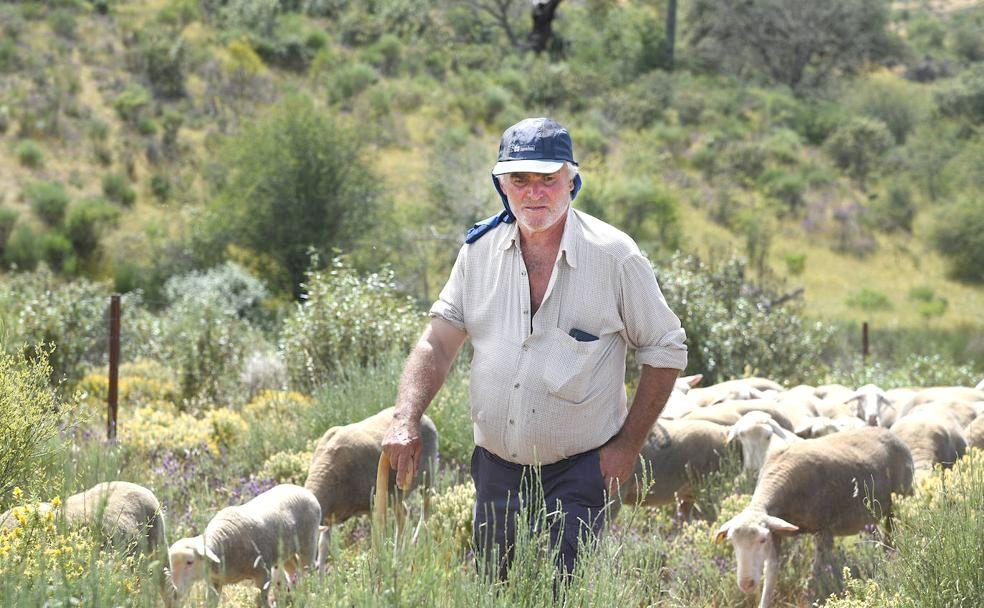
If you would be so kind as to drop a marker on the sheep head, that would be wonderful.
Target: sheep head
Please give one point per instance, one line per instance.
(753, 534)
(754, 430)
(870, 399)
(189, 560)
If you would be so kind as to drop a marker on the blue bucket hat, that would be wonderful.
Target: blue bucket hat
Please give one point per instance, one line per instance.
(534, 145)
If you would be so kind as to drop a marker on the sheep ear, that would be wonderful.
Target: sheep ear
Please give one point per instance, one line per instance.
(693, 380)
(732, 433)
(777, 524)
(203, 551)
(756, 393)
(853, 397)
(804, 429)
(723, 533)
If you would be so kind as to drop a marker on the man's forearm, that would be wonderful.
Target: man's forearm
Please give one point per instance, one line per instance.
(655, 386)
(424, 374)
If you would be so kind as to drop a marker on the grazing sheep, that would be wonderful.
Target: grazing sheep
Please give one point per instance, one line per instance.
(678, 404)
(126, 515)
(819, 426)
(974, 434)
(728, 412)
(277, 529)
(870, 401)
(742, 388)
(760, 436)
(961, 412)
(946, 393)
(836, 393)
(931, 439)
(830, 486)
(797, 405)
(342, 475)
(980, 386)
(674, 450)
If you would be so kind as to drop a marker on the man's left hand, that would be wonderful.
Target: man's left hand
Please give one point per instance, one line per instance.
(617, 464)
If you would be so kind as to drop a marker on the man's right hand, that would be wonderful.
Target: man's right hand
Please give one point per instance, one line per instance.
(403, 446)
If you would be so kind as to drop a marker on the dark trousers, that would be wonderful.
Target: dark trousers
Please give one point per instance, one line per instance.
(571, 491)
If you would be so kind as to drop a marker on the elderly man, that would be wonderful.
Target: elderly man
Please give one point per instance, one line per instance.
(551, 298)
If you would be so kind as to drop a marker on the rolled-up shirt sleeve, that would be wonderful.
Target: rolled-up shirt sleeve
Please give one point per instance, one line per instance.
(449, 305)
(650, 326)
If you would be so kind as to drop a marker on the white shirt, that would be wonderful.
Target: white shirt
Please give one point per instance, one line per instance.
(537, 394)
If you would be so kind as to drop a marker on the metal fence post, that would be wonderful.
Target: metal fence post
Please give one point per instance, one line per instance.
(114, 364)
(864, 340)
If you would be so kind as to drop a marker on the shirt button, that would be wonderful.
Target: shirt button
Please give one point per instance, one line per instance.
(514, 454)
(526, 311)
(516, 385)
(522, 273)
(526, 347)
(511, 421)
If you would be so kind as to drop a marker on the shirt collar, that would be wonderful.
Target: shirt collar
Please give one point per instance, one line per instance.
(568, 242)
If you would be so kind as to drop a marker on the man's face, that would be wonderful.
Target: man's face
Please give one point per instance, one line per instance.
(538, 200)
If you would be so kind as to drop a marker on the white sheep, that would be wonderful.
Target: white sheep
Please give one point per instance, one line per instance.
(932, 439)
(980, 386)
(870, 400)
(679, 403)
(834, 485)
(962, 412)
(277, 529)
(342, 474)
(760, 435)
(974, 434)
(946, 393)
(741, 388)
(674, 452)
(818, 426)
(728, 412)
(126, 515)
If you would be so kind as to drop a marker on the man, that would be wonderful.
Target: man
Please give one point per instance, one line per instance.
(551, 298)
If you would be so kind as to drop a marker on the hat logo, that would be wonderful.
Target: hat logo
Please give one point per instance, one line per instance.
(518, 148)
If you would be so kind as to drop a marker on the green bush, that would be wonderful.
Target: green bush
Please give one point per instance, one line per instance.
(30, 417)
(56, 251)
(858, 145)
(294, 180)
(965, 97)
(160, 187)
(795, 263)
(958, 234)
(8, 219)
(649, 213)
(29, 154)
(345, 319)
(86, 222)
(38, 308)
(732, 323)
(22, 248)
(899, 105)
(350, 80)
(48, 200)
(968, 38)
(132, 103)
(895, 211)
(207, 332)
(62, 22)
(642, 102)
(869, 300)
(116, 188)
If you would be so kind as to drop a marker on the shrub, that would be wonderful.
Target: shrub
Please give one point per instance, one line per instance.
(206, 332)
(345, 319)
(965, 97)
(959, 235)
(132, 103)
(295, 181)
(29, 154)
(896, 211)
(900, 106)
(86, 222)
(70, 316)
(8, 219)
(30, 415)
(116, 188)
(49, 200)
(63, 23)
(160, 187)
(858, 145)
(795, 263)
(967, 40)
(286, 467)
(648, 212)
(56, 250)
(350, 80)
(732, 324)
(642, 102)
(869, 300)
(21, 249)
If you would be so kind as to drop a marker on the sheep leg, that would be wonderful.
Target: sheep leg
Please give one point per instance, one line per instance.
(822, 559)
(771, 572)
(685, 502)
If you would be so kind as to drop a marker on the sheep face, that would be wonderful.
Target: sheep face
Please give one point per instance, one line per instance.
(870, 400)
(189, 560)
(754, 440)
(752, 536)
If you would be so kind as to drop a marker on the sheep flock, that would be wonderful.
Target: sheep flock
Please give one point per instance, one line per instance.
(826, 460)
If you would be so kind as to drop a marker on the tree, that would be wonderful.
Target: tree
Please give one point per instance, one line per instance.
(293, 182)
(794, 42)
(543, 15)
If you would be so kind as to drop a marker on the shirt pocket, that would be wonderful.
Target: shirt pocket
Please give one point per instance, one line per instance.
(570, 366)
